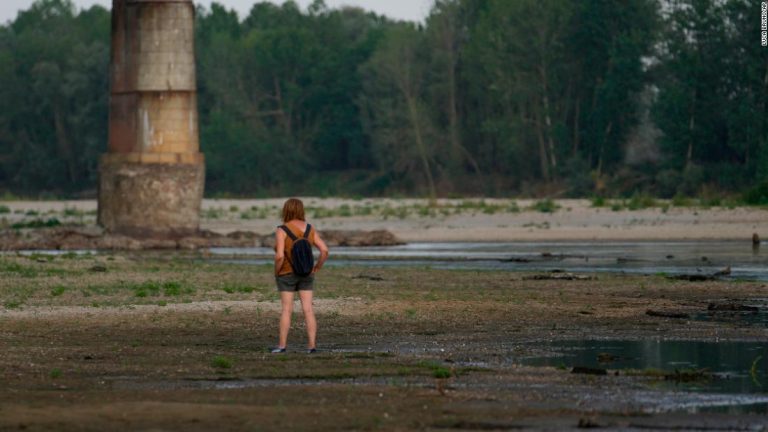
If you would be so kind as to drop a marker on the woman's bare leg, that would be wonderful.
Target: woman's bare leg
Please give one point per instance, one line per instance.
(309, 317)
(285, 318)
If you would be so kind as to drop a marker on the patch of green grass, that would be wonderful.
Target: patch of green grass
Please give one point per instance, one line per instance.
(55, 373)
(640, 202)
(58, 290)
(363, 210)
(231, 289)
(4, 209)
(221, 362)
(545, 206)
(73, 212)
(172, 289)
(147, 289)
(491, 208)
(344, 211)
(168, 289)
(441, 372)
(13, 304)
(680, 200)
(40, 257)
(214, 213)
(21, 270)
(598, 201)
(320, 212)
(436, 369)
(37, 223)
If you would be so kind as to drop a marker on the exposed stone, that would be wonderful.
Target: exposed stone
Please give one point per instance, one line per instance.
(360, 238)
(88, 238)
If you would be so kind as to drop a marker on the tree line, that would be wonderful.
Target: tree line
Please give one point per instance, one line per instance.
(492, 97)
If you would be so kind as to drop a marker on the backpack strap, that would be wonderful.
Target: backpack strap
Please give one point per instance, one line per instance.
(289, 232)
(306, 233)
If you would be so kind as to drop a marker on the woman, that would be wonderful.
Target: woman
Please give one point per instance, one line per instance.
(296, 227)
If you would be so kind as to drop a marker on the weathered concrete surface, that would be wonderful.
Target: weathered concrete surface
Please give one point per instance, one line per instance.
(150, 199)
(153, 46)
(152, 178)
(157, 122)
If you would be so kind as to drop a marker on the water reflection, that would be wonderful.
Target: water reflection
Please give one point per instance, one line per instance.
(707, 257)
(736, 367)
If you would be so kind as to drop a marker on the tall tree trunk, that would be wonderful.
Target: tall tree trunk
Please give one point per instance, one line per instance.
(414, 115)
(543, 157)
(602, 148)
(576, 129)
(550, 140)
(459, 151)
(547, 117)
(284, 118)
(63, 143)
(691, 127)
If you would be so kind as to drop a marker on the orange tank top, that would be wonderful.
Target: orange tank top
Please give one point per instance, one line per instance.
(287, 250)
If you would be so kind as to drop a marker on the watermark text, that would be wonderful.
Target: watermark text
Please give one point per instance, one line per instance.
(764, 23)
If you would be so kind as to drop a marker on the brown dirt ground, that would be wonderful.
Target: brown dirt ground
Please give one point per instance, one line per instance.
(83, 350)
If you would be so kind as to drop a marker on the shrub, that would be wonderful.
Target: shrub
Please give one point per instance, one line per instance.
(221, 362)
(545, 206)
(758, 195)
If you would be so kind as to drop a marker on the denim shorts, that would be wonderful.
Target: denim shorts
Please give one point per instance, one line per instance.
(292, 283)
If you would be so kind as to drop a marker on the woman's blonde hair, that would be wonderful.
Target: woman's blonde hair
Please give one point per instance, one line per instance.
(293, 209)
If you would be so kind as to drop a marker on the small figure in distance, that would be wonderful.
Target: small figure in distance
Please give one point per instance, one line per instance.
(295, 270)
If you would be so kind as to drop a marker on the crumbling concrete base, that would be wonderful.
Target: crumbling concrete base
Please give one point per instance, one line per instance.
(150, 200)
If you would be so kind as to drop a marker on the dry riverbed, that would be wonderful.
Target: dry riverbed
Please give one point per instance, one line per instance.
(175, 341)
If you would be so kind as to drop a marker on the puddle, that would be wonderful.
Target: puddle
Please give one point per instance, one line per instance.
(737, 372)
(673, 258)
(740, 318)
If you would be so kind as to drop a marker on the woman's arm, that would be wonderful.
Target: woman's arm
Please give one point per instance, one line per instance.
(323, 252)
(279, 250)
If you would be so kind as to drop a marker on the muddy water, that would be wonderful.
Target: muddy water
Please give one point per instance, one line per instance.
(734, 375)
(706, 257)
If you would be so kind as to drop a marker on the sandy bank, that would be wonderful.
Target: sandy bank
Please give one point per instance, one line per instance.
(409, 220)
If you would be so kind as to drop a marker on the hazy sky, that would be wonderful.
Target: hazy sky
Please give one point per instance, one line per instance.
(414, 10)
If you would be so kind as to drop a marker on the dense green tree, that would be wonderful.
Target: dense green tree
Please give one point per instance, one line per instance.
(486, 96)
(399, 120)
(55, 113)
(712, 92)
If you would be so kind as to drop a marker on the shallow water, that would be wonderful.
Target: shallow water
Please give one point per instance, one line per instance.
(702, 257)
(739, 370)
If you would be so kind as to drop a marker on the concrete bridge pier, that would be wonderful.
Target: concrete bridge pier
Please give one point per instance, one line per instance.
(152, 177)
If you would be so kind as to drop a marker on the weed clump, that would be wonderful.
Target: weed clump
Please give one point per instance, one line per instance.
(545, 206)
(221, 362)
(37, 223)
